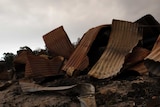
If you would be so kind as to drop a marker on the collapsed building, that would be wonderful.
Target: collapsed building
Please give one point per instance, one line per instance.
(103, 51)
(119, 49)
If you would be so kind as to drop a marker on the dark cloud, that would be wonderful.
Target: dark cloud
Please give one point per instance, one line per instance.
(24, 22)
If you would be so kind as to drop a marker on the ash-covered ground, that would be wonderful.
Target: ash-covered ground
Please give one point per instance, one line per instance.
(132, 91)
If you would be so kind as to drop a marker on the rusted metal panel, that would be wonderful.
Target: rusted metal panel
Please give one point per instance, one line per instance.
(155, 53)
(58, 42)
(135, 60)
(140, 68)
(84, 64)
(78, 56)
(40, 67)
(22, 57)
(152, 61)
(151, 30)
(124, 36)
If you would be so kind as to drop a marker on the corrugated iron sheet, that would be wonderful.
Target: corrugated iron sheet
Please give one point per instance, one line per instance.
(138, 54)
(135, 60)
(155, 53)
(140, 68)
(78, 56)
(84, 64)
(58, 42)
(41, 67)
(22, 57)
(32, 87)
(152, 61)
(124, 36)
(151, 30)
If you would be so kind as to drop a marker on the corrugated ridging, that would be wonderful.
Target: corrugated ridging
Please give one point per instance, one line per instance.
(58, 42)
(140, 68)
(22, 57)
(78, 56)
(135, 60)
(155, 53)
(138, 54)
(124, 36)
(152, 61)
(40, 67)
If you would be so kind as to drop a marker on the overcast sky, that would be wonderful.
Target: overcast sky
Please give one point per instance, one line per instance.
(24, 22)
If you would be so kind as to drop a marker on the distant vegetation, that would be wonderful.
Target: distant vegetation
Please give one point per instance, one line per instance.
(9, 57)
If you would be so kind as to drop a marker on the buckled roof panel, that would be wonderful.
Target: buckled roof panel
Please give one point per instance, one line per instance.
(37, 66)
(152, 61)
(81, 51)
(124, 36)
(58, 42)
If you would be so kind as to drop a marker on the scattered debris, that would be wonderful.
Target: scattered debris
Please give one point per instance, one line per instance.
(88, 74)
(87, 95)
(152, 61)
(28, 86)
(4, 85)
(151, 31)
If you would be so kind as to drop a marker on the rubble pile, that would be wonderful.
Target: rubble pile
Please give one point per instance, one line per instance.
(93, 71)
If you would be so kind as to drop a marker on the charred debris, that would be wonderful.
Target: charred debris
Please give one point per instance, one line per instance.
(104, 52)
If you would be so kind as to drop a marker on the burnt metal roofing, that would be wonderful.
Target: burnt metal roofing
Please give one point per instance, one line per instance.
(37, 66)
(22, 57)
(135, 60)
(152, 61)
(151, 30)
(124, 36)
(155, 53)
(58, 42)
(77, 59)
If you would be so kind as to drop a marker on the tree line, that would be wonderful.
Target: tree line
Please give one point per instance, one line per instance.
(8, 57)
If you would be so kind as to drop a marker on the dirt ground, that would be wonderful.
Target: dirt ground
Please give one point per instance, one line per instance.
(132, 91)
